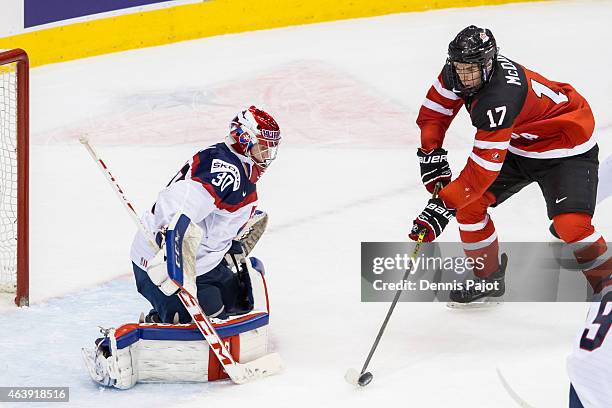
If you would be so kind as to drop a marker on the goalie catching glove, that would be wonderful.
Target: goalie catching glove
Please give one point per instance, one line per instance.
(247, 238)
(434, 168)
(433, 219)
(174, 263)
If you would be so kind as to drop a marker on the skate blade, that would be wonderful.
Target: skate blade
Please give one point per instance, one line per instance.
(481, 304)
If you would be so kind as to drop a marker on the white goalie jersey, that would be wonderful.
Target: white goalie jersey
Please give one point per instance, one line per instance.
(604, 189)
(215, 191)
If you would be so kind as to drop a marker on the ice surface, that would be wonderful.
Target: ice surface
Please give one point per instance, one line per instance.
(346, 95)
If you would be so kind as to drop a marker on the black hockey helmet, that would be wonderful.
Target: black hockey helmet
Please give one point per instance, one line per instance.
(473, 45)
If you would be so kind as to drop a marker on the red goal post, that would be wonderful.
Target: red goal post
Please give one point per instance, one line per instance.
(14, 168)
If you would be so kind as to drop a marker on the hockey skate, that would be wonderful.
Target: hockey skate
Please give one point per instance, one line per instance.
(474, 297)
(153, 317)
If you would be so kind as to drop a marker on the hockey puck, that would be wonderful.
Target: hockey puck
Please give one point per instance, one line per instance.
(365, 379)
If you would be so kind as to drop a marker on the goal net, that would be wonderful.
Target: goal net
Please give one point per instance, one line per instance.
(13, 174)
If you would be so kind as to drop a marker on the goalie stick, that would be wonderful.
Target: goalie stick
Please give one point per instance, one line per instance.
(239, 373)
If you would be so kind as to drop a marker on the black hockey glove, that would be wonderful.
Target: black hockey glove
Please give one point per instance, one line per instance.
(432, 220)
(434, 168)
(236, 248)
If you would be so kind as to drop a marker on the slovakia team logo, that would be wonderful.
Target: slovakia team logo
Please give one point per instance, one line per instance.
(244, 138)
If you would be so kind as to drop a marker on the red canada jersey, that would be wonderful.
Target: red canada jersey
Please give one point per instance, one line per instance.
(519, 111)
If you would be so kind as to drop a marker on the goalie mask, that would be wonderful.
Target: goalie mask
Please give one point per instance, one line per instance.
(255, 135)
(471, 60)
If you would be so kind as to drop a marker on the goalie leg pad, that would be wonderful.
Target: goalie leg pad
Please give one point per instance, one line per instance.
(157, 352)
(168, 353)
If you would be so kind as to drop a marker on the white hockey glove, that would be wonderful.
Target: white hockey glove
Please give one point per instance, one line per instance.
(158, 273)
(174, 264)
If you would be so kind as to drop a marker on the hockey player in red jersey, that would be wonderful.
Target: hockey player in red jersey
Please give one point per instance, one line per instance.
(528, 129)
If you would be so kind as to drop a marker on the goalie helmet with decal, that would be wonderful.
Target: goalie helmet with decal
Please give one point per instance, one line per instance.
(255, 135)
(471, 59)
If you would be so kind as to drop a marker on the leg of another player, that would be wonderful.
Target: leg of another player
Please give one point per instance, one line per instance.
(574, 401)
(590, 248)
(570, 190)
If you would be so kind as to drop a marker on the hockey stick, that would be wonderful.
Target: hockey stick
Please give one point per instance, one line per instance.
(239, 373)
(363, 378)
(521, 402)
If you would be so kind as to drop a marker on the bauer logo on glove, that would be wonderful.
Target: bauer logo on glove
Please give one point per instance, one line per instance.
(434, 168)
(433, 220)
(432, 159)
(440, 209)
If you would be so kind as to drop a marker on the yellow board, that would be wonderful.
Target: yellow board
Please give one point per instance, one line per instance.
(206, 19)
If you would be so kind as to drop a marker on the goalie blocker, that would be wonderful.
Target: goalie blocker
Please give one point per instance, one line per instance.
(161, 353)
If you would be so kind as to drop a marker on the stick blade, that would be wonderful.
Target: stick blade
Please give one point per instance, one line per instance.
(265, 366)
(475, 305)
(352, 377)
